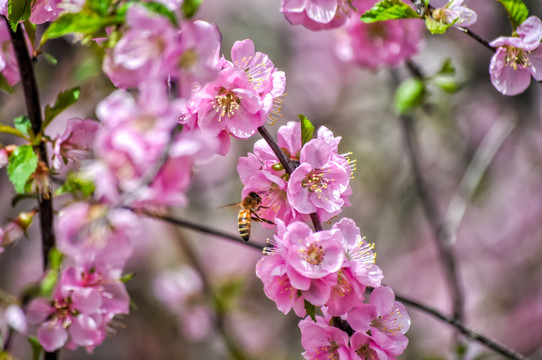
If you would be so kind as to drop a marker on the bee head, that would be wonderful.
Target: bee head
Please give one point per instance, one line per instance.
(255, 196)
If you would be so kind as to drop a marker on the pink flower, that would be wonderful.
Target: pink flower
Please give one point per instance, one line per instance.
(322, 341)
(94, 236)
(455, 13)
(517, 58)
(262, 74)
(146, 52)
(383, 43)
(230, 103)
(386, 319)
(74, 142)
(321, 182)
(316, 14)
(199, 55)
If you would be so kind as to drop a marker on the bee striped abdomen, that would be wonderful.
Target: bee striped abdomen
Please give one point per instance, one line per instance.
(244, 224)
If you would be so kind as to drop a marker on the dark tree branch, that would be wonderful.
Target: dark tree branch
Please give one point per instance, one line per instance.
(471, 334)
(33, 107)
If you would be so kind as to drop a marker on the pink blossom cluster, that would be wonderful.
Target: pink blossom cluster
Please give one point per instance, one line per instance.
(89, 292)
(327, 269)
(142, 158)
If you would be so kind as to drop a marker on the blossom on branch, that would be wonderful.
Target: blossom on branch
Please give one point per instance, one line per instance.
(518, 58)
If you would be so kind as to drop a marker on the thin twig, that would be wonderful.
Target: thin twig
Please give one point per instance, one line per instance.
(469, 333)
(197, 227)
(445, 248)
(33, 107)
(475, 170)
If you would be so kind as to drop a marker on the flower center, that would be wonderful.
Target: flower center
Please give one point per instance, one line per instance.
(315, 254)
(226, 102)
(517, 57)
(188, 59)
(388, 323)
(315, 181)
(365, 352)
(330, 350)
(343, 287)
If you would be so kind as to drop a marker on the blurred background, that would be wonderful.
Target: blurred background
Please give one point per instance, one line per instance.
(498, 242)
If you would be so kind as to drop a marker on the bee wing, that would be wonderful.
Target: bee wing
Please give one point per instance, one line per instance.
(236, 205)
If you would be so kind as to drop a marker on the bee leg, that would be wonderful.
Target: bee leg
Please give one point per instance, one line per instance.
(256, 217)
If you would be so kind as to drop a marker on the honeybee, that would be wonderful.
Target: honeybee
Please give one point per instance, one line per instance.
(250, 205)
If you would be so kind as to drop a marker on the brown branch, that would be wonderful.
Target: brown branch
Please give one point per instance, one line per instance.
(33, 107)
(469, 333)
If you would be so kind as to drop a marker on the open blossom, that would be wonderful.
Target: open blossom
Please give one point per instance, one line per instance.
(323, 341)
(230, 103)
(199, 47)
(147, 51)
(74, 142)
(92, 235)
(84, 301)
(386, 319)
(382, 43)
(320, 183)
(317, 14)
(454, 12)
(517, 58)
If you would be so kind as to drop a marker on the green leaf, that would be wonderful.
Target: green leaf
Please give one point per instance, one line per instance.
(436, 27)
(64, 100)
(36, 347)
(190, 7)
(517, 11)
(446, 83)
(447, 68)
(55, 258)
(307, 129)
(4, 84)
(50, 58)
(388, 9)
(24, 125)
(160, 9)
(311, 310)
(76, 183)
(19, 10)
(22, 163)
(100, 7)
(409, 95)
(9, 130)
(48, 283)
(126, 277)
(85, 23)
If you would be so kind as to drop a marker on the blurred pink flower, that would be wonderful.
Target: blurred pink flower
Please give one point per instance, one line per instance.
(8, 63)
(517, 58)
(383, 43)
(147, 51)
